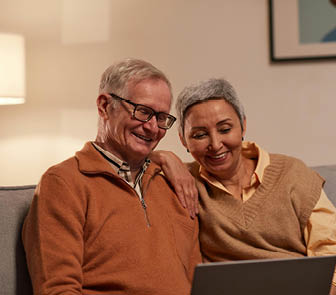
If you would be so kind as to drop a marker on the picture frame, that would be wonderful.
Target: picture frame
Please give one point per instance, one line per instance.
(296, 30)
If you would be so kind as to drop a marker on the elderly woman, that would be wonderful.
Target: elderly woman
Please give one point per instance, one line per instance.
(253, 204)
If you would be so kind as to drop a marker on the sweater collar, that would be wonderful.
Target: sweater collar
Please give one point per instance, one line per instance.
(91, 161)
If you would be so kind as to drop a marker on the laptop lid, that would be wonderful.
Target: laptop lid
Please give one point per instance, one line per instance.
(293, 276)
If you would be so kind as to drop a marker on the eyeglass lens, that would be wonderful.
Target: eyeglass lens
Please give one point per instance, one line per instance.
(144, 114)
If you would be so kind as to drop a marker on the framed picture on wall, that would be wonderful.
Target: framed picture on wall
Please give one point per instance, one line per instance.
(302, 29)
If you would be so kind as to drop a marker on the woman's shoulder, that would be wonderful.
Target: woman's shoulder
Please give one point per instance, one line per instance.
(291, 165)
(286, 159)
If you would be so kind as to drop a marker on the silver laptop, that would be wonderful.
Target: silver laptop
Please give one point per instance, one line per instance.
(295, 276)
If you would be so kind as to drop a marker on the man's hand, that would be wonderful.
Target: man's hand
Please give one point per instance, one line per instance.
(179, 177)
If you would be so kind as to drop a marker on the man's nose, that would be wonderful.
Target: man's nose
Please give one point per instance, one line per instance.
(152, 124)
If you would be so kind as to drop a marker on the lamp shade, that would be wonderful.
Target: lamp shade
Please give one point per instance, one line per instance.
(12, 69)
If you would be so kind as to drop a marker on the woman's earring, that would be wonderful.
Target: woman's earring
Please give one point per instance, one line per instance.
(188, 151)
(243, 138)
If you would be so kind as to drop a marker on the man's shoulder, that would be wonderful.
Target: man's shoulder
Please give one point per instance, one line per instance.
(153, 169)
(82, 161)
(64, 167)
(64, 171)
(161, 189)
(194, 169)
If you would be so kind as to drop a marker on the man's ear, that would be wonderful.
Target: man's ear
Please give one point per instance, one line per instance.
(102, 104)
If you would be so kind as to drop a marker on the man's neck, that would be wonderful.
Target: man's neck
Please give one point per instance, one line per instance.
(135, 166)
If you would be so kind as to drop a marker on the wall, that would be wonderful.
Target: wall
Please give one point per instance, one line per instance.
(290, 107)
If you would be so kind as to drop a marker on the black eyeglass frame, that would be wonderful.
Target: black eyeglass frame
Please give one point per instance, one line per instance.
(172, 119)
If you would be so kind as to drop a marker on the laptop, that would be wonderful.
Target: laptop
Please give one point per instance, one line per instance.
(289, 276)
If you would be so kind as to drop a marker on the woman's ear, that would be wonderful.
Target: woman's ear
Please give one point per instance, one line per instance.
(102, 104)
(244, 128)
(183, 140)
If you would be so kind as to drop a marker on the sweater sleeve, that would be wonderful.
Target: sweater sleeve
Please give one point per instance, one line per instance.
(53, 238)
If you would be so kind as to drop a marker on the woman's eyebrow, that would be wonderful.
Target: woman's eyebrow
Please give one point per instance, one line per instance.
(224, 121)
(198, 128)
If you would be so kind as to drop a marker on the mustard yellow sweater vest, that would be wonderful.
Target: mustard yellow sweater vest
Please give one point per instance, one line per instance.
(268, 225)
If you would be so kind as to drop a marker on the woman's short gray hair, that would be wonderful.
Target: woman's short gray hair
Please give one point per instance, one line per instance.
(204, 91)
(118, 77)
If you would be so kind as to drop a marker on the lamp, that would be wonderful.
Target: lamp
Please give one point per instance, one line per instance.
(12, 69)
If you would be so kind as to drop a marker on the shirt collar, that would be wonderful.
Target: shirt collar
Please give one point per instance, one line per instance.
(253, 151)
(122, 168)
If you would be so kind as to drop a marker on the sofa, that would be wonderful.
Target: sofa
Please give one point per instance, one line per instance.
(14, 204)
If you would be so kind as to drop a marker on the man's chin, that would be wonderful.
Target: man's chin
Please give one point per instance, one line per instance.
(138, 148)
(139, 152)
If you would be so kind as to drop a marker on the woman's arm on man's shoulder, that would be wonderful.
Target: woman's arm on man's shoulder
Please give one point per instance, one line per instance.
(179, 177)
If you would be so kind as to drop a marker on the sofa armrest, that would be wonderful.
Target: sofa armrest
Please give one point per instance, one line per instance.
(14, 205)
(328, 172)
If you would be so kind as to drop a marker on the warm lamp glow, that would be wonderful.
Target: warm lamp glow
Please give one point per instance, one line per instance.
(12, 69)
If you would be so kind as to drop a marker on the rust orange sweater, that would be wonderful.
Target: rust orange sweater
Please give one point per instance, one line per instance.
(87, 233)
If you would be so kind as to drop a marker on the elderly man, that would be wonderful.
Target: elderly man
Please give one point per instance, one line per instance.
(106, 221)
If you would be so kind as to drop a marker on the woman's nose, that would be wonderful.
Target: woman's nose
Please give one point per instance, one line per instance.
(215, 143)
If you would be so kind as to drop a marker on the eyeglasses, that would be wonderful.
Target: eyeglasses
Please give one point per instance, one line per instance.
(144, 114)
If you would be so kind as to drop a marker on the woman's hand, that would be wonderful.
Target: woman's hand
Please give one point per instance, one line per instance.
(180, 178)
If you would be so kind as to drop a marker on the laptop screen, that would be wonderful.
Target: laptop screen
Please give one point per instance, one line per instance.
(293, 276)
